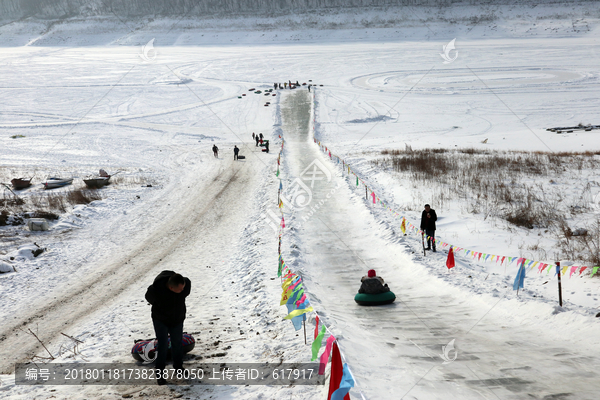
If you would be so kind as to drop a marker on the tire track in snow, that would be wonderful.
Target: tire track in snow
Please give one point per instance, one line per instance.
(197, 211)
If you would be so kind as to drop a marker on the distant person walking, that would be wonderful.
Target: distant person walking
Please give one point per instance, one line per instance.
(309, 88)
(428, 218)
(275, 86)
(215, 151)
(252, 135)
(167, 296)
(261, 136)
(235, 152)
(256, 138)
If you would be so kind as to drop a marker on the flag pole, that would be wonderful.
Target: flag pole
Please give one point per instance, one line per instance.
(559, 283)
(304, 323)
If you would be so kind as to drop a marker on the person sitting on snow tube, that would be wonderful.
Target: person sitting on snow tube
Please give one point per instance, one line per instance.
(373, 284)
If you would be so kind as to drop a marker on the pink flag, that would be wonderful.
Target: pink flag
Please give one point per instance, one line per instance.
(325, 355)
(573, 269)
(282, 222)
(373, 194)
(302, 299)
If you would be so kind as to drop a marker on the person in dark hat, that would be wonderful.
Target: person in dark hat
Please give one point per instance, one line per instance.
(428, 218)
(373, 284)
(167, 296)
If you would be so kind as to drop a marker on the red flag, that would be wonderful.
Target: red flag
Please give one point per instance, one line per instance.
(337, 371)
(450, 259)
(317, 327)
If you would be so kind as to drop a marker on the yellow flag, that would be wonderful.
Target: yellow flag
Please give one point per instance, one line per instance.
(295, 313)
(287, 283)
(534, 264)
(403, 226)
(564, 270)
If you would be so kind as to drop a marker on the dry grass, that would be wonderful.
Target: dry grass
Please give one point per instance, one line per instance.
(14, 210)
(504, 184)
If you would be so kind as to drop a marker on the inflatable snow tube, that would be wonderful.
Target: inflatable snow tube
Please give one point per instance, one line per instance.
(149, 347)
(375, 299)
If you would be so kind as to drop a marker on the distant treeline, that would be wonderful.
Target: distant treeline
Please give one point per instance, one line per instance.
(58, 9)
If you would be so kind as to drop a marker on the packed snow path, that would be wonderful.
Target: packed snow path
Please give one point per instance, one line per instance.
(394, 350)
(190, 237)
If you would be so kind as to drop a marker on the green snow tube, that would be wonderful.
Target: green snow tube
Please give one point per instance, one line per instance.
(375, 299)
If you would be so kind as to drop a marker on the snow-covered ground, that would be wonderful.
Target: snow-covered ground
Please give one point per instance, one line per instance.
(87, 96)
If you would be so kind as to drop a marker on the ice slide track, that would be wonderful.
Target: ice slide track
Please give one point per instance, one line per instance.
(394, 351)
(231, 182)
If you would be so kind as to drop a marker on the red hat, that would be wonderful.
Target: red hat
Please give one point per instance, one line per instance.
(371, 273)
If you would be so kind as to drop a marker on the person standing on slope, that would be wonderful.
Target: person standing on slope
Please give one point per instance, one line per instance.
(215, 150)
(235, 152)
(167, 296)
(428, 218)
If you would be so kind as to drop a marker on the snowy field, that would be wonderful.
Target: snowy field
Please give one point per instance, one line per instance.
(88, 95)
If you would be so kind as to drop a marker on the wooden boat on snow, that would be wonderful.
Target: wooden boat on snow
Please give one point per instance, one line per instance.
(54, 182)
(21, 183)
(96, 182)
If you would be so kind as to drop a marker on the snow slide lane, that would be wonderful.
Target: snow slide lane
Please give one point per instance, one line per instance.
(394, 350)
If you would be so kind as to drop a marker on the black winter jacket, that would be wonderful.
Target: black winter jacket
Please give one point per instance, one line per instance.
(428, 223)
(167, 306)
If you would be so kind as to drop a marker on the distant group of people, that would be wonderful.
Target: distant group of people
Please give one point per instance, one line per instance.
(236, 151)
(259, 138)
(290, 85)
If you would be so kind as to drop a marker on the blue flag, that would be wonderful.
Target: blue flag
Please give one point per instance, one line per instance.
(291, 306)
(345, 385)
(280, 185)
(520, 278)
(297, 321)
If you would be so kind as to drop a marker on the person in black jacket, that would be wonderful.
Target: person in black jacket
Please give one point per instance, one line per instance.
(167, 296)
(235, 152)
(428, 218)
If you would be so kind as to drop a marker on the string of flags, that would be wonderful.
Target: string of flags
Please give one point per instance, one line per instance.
(298, 306)
(453, 250)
